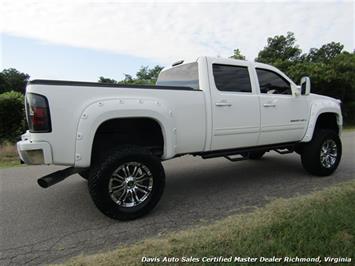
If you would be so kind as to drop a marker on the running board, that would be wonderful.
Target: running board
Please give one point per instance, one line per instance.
(285, 151)
(236, 159)
(225, 153)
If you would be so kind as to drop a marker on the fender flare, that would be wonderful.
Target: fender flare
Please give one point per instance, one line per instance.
(317, 109)
(103, 110)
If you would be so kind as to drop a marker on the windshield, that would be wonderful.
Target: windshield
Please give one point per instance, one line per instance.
(185, 75)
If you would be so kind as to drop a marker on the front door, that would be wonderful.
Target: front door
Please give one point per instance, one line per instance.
(284, 117)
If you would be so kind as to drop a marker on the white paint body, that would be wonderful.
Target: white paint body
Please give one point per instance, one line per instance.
(191, 121)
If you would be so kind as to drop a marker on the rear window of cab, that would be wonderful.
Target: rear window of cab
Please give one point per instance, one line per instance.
(185, 75)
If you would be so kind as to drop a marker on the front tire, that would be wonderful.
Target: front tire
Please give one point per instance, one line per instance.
(128, 184)
(321, 156)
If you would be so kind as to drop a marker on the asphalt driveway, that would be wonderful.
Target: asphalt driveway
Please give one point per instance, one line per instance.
(40, 226)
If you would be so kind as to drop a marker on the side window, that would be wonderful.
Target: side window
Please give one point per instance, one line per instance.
(231, 78)
(272, 83)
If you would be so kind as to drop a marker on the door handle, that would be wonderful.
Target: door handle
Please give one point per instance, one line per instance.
(269, 105)
(221, 104)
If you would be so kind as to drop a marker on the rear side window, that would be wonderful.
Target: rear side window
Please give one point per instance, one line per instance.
(231, 78)
(272, 83)
(185, 75)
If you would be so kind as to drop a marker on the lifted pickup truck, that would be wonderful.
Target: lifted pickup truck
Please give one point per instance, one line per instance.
(116, 136)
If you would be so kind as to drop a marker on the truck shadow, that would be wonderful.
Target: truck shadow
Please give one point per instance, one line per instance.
(202, 186)
(217, 187)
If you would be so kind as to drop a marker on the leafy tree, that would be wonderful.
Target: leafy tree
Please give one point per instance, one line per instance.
(149, 76)
(145, 75)
(332, 71)
(154, 72)
(107, 80)
(237, 55)
(325, 53)
(3, 83)
(13, 80)
(341, 82)
(280, 49)
(128, 79)
(12, 115)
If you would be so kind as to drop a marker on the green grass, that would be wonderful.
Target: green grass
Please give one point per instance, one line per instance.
(321, 224)
(8, 155)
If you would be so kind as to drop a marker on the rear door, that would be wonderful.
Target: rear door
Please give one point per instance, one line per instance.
(235, 104)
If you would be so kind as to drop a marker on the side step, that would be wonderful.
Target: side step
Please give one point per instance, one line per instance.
(285, 151)
(236, 159)
(280, 148)
(58, 176)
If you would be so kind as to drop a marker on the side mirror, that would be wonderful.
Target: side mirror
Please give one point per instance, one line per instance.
(305, 86)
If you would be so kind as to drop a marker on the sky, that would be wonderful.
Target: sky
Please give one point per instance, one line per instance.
(84, 40)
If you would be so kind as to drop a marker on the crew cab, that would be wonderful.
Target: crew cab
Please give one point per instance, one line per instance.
(116, 135)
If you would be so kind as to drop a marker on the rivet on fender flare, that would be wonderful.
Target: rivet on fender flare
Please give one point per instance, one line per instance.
(79, 136)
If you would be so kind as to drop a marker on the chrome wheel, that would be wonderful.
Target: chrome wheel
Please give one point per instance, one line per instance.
(130, 184)
(328, 153)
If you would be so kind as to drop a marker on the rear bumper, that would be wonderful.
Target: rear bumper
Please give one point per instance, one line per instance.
(34, 152)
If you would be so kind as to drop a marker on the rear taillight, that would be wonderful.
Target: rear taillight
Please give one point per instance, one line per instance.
(37, 110)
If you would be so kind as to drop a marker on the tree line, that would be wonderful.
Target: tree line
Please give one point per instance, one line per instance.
(331, 69)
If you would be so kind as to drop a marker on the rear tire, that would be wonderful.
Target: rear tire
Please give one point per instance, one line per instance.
(128, 183)
(321, 156)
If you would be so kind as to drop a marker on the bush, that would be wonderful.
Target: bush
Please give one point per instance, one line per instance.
(12, 115)
(349, 114)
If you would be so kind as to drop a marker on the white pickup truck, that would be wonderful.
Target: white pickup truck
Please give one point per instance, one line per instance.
(116, 136)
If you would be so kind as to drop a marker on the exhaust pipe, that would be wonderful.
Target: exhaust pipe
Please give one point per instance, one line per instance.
(58, 176)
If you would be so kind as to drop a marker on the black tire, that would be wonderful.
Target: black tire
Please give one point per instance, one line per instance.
(99, 183)
(311, 153)
(255, 155)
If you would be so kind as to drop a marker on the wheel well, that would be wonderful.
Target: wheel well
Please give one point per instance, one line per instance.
(327, 121)
(143, 132)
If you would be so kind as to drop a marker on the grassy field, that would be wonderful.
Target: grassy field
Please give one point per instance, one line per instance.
(321, 224)
(8, 155)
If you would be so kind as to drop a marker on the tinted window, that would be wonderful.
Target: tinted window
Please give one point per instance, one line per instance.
(231, 78)
(272, 83)
(185, 75)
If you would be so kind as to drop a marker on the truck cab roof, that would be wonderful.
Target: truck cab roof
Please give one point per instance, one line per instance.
(228, 61)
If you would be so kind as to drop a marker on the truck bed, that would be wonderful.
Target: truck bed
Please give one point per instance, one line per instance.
(181, 108)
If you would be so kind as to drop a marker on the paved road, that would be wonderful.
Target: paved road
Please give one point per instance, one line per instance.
(41, 226)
